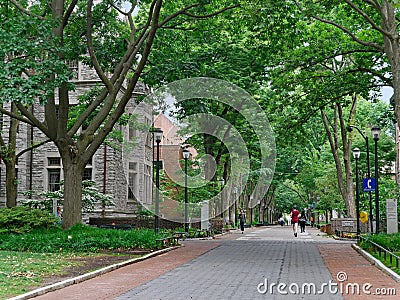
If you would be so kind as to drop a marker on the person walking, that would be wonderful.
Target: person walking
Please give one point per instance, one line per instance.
(241, 220)
(281, 221)
(302, 222)
(295, 219)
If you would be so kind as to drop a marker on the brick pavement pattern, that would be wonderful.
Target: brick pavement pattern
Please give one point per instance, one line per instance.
(112, 284)
(249, 267)
(343, 258)
(236, 266)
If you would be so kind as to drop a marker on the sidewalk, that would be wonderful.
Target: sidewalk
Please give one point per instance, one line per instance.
(231, 266)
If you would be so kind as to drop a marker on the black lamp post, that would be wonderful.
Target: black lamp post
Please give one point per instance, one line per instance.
(186, 155)
(235, 190)
(222, 182)
(369, 174)
(376, 132)
(158, 133)
(356, 154)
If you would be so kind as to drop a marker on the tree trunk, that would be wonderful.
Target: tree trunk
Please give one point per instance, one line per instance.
(392, 49)
(345, 185)
(11, 183)
(72, 210)
(10, 162)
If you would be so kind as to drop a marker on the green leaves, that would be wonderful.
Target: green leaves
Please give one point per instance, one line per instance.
(29, 59)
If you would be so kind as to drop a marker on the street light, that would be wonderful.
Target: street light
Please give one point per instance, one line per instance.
(235, 190)
(356, 154)
(350, 129)
(158, 133)
(222, 182)
(376, 132)
(186, 155)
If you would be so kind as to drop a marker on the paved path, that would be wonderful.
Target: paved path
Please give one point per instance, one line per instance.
(263, 263)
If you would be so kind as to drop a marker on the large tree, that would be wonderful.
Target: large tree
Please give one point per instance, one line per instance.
(95, 32)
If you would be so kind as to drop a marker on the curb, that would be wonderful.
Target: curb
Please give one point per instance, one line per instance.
(87, 276)
(376, 262)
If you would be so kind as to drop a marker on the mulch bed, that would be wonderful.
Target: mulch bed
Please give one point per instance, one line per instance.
(88, 264)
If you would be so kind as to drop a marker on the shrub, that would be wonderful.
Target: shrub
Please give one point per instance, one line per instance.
(22, 219)
(79, 238)
(388, 241)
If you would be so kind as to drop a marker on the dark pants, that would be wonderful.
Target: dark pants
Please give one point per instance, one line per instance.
(302, 226)
(241, 225)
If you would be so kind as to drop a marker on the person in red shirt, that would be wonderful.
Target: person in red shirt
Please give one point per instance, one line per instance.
(295, 219)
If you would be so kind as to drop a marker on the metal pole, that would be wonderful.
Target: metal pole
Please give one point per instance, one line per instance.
(376, 187)
(186, 198)
(157, 188)
(369, 174)
(369, 193)
(357, 201)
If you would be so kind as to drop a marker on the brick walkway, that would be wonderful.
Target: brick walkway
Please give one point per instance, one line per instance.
(112, 284)
(234, 267)
(343, 258)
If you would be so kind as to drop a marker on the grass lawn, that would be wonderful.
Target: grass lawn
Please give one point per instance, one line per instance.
(20, 271)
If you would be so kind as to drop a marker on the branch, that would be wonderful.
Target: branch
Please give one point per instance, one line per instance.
(15, 116)
(185, 10)
(33, 147)
(92, 55)
(296, 191)
(367, 18)
(68, 13)
(33, 121)
(25, 11)
(119, 110)
(212, 14)
(133, 6)
(352, 35)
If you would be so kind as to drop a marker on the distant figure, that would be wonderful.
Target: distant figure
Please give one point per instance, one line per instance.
(302, 223)
(59, 215)
(281, 221)
(295, 219)
(242, 219)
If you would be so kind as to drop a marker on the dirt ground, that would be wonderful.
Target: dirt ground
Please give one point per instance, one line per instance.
(88, 264)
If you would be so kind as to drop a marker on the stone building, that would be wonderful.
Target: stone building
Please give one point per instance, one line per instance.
(124, 173)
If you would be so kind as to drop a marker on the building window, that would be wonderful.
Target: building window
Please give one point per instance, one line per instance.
(87, 174)
(54, 161)
(132, 180)
(54, 173)
(54, 179)
(73, 66)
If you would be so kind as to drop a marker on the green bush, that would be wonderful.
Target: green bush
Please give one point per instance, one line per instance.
(22, 219)
(390, 242)
(80, 238)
